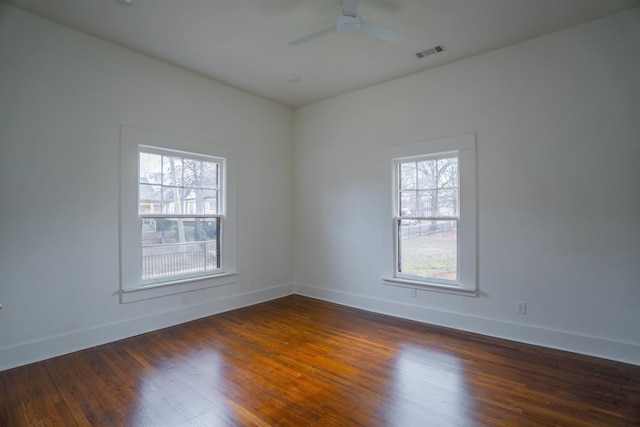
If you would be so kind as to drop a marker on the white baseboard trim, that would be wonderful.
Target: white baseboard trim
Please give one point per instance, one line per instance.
(560, 340)
(34, 351)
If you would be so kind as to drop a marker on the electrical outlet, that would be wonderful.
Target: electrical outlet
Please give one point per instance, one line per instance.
(414, 293)
(185, 299)
(521, 307)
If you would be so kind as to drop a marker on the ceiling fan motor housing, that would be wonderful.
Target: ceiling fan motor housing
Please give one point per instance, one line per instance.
(348, 24)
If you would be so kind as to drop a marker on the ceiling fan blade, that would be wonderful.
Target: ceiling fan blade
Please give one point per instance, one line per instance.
(382, 33)
(313, 36)
(350, 7)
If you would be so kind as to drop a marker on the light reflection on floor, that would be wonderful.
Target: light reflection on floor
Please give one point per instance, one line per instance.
(425, 377)
(427, 387)
(167, 396)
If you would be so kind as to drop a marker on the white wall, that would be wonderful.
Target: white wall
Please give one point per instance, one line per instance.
(557, 121)
(63, 97)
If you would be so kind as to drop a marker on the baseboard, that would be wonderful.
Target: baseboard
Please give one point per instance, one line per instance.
(560, 340)
(34, 351)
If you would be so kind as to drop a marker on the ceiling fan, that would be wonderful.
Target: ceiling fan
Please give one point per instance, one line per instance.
(349, 22)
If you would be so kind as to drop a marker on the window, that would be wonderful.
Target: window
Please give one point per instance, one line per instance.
(180, 211)
(177, 225)
(434, 215)
(426, 218)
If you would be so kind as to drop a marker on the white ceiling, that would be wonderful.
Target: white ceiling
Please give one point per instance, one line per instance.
(244, 43)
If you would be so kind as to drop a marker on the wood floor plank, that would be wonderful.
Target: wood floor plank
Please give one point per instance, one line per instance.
(296, 361)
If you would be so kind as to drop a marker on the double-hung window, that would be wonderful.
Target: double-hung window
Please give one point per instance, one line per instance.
(426, 218)
(434, 215)
(180, 208)
(177, 214)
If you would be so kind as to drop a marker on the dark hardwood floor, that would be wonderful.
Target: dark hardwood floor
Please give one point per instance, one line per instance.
(302, 362)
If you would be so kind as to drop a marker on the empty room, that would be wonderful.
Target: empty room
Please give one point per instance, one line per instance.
(319, 212)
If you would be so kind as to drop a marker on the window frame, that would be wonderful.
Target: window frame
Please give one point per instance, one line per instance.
(398, 217)
(220, 216)
(465, 148)
(132, 142)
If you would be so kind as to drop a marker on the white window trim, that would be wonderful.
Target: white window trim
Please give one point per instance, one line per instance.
(465, 145)
(131, 287)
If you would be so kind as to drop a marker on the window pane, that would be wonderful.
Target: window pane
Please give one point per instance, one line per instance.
(210, 172)
(407, 176)
(210, 201)
(172, 170)
(192, 173)
(191, 201)
(408, 203)
(179, 246)
(428, 249)
(448, 202)
(427, 203)
(427, 174)
(150, 199)
(448, 173)
(150, 168)
(170, 196)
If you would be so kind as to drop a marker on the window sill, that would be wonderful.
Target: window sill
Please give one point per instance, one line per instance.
(434, 287)
(157, 290)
